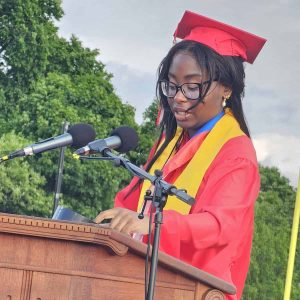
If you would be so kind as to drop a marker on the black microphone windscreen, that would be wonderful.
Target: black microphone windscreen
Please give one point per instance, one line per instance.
(82, 134)
(128, 136)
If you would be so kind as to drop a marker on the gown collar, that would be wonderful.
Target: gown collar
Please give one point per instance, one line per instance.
(209, 124)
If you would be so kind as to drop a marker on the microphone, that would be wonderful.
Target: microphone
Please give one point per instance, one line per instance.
(122, 139)
(77, 136)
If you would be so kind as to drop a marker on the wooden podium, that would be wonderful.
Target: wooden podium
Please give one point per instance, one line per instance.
(43, 259)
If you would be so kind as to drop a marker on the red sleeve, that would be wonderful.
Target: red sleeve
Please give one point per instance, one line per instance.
(129, 196)
(225, 197)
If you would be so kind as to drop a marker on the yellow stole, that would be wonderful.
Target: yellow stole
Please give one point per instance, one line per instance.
(191, 177)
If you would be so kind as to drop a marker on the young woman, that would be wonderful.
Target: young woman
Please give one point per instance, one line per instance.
(204, 147)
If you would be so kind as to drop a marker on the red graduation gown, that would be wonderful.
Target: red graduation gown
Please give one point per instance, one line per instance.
(217, 234)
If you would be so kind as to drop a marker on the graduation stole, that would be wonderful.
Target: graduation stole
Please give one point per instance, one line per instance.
(191, 177)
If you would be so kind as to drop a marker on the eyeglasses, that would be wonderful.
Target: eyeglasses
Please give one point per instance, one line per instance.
(192, 91)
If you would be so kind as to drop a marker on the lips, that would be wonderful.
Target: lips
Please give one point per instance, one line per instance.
(181, 114)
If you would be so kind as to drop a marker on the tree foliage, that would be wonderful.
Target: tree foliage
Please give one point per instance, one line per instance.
(148, 134)
(273, 222)
(27, 32)
(21, 188)
(45, 80)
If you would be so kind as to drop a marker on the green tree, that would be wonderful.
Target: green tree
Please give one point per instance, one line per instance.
(73, 59)
(45, 80)
(87, 186)
(27, 32)
(21, 189)
(273, 222)
(148, 134)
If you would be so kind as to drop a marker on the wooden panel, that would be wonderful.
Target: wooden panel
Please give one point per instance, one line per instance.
(68, 257)
(11, 284)
(63, 287)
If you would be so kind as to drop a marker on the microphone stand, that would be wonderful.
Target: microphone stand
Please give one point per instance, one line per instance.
(59, 175)
(161, 191)
(159, 201)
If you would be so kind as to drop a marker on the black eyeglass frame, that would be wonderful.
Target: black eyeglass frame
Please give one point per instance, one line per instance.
(200, 86)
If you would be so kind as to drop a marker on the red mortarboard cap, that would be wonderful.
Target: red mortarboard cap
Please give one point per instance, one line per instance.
(223, 38)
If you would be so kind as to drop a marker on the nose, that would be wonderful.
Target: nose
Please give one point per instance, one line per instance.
(179, 96)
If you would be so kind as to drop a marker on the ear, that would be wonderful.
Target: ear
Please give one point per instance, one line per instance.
(227, 91)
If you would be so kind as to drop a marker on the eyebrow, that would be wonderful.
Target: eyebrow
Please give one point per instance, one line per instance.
(189, 76)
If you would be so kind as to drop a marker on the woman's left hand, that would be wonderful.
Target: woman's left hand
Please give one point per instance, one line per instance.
(124, 220)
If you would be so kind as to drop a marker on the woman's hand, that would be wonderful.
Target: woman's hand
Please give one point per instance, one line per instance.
(124, 220)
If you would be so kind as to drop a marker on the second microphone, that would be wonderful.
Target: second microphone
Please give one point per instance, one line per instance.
(122, 139)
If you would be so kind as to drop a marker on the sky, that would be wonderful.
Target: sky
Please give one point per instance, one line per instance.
(133, 36)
